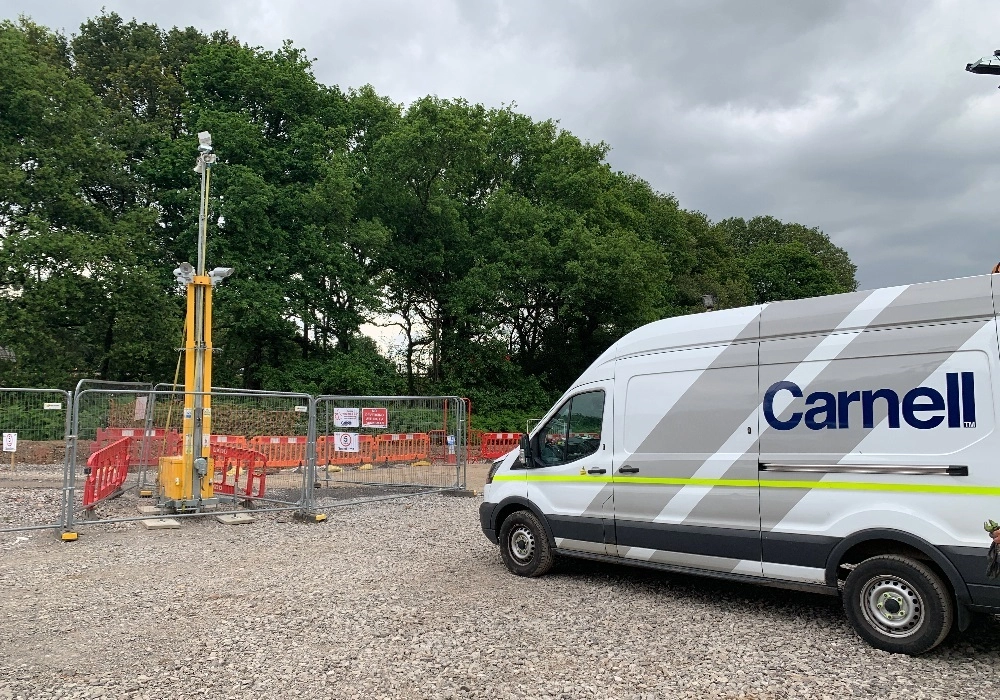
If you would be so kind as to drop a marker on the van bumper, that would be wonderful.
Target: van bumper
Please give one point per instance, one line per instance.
(486, 521)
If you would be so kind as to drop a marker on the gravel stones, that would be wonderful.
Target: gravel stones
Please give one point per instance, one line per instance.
(407, 599)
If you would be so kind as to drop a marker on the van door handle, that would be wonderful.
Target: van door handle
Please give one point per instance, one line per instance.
(597, 470)
(626, 469)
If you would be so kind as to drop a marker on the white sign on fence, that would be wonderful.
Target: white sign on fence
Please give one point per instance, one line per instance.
(346, 442)
(52, 406)
(10, 442)
(140, 407)
(346, 417)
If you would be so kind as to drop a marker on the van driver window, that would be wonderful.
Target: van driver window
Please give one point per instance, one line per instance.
(574, 431)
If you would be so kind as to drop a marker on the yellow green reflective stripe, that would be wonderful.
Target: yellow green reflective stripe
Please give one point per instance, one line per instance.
(875, 486)
(751, 483)
(554, 477)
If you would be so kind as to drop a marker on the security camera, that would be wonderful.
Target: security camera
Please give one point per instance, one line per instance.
(204, 142)
(219, 274)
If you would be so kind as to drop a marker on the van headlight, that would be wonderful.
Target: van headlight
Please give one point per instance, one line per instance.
(494, 468)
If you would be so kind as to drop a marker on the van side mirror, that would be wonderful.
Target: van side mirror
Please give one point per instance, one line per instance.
(524, 452)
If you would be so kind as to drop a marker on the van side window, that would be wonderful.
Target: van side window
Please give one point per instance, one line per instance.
(574, 431)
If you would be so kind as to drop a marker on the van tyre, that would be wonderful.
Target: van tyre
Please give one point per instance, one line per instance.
(523, 545)
(898, 604)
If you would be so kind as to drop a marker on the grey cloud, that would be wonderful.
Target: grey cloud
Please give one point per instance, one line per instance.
(856, 117)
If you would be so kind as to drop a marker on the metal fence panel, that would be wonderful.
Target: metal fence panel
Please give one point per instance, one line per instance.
(406, 443)
(259, 443)
(35, 426)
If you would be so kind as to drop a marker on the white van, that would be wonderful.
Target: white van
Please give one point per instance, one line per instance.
(843, 444)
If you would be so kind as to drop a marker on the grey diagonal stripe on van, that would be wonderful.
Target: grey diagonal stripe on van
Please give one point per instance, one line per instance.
(736, 457)
(802, 360)
(880, 350)
(741, 351)
(899, 373)
(679, 431)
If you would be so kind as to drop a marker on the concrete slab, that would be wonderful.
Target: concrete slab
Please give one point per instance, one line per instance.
(150, 510)
(161, 524)
(235, 519)
(461, 493)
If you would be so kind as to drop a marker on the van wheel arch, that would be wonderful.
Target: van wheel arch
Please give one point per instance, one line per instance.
(511, 505)
(852, 550)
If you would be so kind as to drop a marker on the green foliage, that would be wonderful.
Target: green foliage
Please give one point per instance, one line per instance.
(506, 250)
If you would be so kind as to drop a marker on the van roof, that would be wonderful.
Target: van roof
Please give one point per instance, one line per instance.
(959, 299)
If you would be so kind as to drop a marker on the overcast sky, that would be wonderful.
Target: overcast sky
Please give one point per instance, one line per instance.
(856, 117)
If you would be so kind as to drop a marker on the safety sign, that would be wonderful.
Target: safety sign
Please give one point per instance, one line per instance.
(346, 442)
(374, 417)
(10, 442)
(345, 417)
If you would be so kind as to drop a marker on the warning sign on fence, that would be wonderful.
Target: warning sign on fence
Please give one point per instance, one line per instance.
(10, 442)
(374, 417)
(346, 442)
(345, 417)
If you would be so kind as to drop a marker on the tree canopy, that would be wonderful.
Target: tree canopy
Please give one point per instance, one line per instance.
(506, 250)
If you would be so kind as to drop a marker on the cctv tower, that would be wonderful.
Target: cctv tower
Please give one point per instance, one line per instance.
(185, 480)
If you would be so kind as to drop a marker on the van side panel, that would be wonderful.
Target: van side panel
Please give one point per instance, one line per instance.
(891, 428)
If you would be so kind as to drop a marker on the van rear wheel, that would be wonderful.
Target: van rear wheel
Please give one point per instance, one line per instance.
(898, 604)
(523, 545)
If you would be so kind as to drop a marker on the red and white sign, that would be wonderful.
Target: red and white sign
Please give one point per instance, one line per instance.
(374, 417)
(345, 442)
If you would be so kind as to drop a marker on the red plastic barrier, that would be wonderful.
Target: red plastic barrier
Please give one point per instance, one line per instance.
(402, 447)
(327, 453)
(280, 450)
(159, 443)
(439, 445)
(475, 438)
(238, 469)
(498, 444)
(107, 470)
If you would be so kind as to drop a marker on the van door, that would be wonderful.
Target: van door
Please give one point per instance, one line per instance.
(685, 480)
(571, 483)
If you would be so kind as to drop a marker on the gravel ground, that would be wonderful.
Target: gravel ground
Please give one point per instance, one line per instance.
(407, 599)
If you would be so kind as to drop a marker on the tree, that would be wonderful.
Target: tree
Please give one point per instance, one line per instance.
(73, 236)
(747, 236)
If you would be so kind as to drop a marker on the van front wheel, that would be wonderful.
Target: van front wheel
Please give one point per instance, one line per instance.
(898, 604)
(523, 545)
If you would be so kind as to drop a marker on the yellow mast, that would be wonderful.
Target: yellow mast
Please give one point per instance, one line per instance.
(185, 480)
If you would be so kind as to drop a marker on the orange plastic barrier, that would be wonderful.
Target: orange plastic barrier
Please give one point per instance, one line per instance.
(159, 443)
(327, 453)
(402, 447)
(498, 444)
(237, 469)
(232, 440)
(106, 471)
(281, 451)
